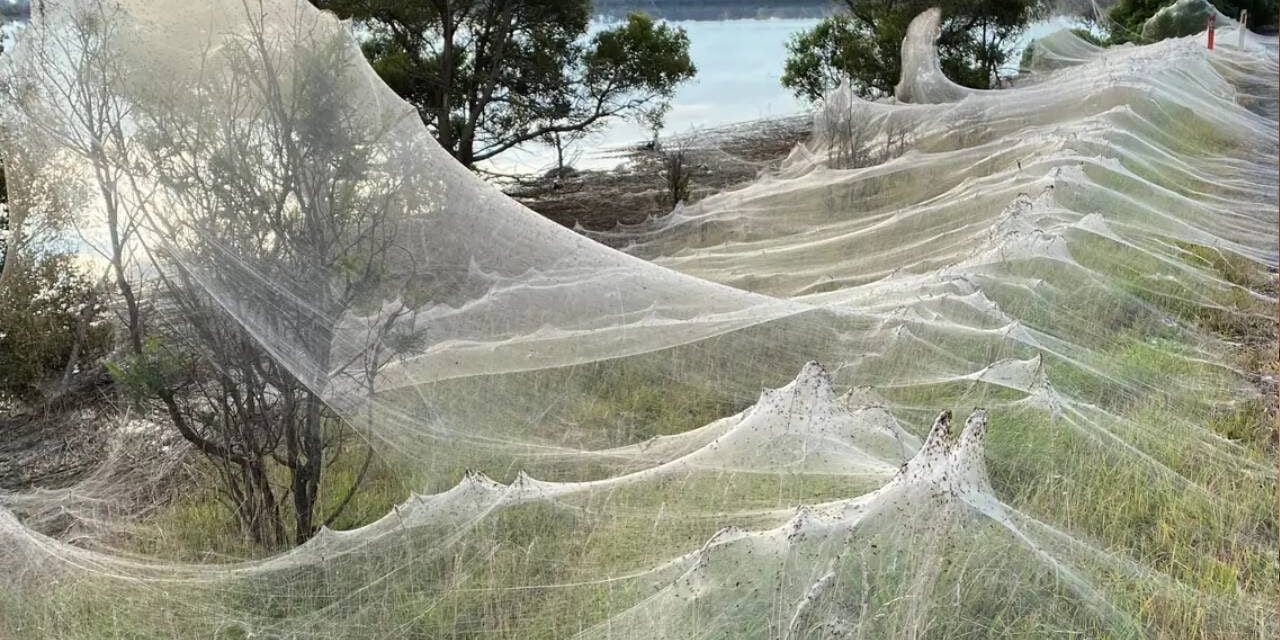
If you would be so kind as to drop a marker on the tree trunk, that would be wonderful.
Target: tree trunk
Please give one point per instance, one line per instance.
(257, 509)
(13, 246)
(307, 468)
(466, 152)
(560, 154)
(444, 120)
(306, 475)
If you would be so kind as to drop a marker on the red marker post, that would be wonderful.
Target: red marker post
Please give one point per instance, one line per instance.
(1213, 19)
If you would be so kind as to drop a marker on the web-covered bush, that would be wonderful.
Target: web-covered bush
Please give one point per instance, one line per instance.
(53, 323)
(1151, 20)
(576, 439)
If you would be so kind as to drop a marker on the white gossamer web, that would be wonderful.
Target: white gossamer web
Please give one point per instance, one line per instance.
(1046, 252)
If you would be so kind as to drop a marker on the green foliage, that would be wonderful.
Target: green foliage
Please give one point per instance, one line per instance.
(1027, 60)
(149, 373)
(634, 405)
(1184, 18)
(201, 524)
(487, 76)
(1126, 17)
(864, 44)
(51, 323)
(641, 53)
(1088, 36)
(1028, 56)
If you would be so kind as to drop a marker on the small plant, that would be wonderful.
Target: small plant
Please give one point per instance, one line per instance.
(855, 139)
(676, 174)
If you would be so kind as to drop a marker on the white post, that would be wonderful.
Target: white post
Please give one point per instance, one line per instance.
(1244, 28)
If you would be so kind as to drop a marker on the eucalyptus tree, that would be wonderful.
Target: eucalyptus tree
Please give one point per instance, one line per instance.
(863, 43)
(489, 75)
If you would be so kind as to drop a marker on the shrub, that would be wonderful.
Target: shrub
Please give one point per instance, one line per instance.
(864, 44)
(51, 325)
(1127, 18)
(676, 174)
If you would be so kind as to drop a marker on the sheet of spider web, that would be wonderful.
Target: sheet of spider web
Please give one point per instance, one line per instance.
(582, 418)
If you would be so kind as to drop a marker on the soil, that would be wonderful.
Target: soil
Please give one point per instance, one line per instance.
(56, 446)
(715, 159)
(48, 452)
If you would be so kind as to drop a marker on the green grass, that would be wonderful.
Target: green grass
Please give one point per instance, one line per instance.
(1183, 544)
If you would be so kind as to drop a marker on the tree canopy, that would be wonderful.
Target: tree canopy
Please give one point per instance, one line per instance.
(1126, 17)
(488, 75)
(863, 43)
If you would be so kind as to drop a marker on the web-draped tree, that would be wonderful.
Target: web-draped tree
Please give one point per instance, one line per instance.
(489, 75)
(1125, 18)
(244, 154)
(289, 170)
(863, 43)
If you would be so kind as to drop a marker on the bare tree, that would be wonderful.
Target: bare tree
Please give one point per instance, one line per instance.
(293, 210)
(676, 174)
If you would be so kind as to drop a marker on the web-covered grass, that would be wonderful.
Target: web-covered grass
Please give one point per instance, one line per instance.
(589, 445)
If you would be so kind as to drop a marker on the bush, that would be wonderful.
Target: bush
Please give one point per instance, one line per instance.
(1127, 17)
(864, 44)
(676, 174)
(1027, 61)
(51, 324)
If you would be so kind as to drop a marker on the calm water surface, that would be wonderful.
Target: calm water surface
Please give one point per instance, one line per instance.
(739, 63)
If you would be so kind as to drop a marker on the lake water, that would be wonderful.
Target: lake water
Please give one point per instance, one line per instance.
(739, 65)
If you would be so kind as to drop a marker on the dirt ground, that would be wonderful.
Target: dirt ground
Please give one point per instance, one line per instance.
(42, 451)
(715, 160)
